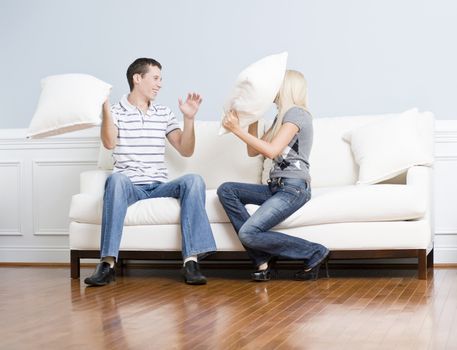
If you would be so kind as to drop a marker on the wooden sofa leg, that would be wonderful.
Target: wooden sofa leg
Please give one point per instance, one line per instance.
(430, 259)
(422, 263)
(74, 263)
(119, 267)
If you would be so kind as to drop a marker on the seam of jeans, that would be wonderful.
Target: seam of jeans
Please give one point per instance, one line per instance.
(292, 197)
(248, 191)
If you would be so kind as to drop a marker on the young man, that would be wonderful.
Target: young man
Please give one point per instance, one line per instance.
(135, 129)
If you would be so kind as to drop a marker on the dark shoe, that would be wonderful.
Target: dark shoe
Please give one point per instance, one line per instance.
(313, 273)
(192, 274)
(103, 275)
(264, 275)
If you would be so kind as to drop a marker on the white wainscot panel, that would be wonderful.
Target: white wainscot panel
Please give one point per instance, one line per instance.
(445, 189)
(445, 192)
(11, 193)
(54, 183)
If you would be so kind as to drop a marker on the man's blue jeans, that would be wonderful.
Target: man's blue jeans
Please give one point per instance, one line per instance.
(277, 201)
(120, 192)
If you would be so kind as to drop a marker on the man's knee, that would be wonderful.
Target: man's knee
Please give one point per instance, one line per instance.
(116, 180)
(193, 181)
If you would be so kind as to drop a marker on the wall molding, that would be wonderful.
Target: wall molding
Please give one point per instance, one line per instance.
(19, 165)
(446, 231)
(43, 163)
(445, 131)
(446, 158)
(15, 139)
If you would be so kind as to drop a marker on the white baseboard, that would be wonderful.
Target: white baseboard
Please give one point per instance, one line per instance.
(445, 255)
(34, 254)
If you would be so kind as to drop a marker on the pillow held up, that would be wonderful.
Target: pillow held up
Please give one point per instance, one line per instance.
(68, 102)
(256, 88)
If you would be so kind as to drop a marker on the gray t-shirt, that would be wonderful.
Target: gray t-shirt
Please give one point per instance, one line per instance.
(293, 162)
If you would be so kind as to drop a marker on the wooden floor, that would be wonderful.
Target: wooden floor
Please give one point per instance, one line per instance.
(42, 308)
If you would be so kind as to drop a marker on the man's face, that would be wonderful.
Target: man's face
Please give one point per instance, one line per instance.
(150, 83)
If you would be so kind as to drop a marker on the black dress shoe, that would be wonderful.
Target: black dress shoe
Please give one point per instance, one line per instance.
(261, 275)
(192, 274)
(103, 275)
(264, 275)
(313, 273)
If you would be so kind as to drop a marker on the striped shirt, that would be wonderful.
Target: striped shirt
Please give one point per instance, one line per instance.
(140, 149)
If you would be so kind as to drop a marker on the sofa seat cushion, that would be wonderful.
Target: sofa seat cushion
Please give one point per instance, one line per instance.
(341, 236)
(328, 205)
(87, 208)
(357, 203)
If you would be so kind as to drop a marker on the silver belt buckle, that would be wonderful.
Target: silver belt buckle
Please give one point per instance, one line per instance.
(277, 181)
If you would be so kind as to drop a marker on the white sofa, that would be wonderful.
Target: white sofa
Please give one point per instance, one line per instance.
(388, 220)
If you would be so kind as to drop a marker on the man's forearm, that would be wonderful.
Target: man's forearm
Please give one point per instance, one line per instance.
(188, 138)
(108, 131)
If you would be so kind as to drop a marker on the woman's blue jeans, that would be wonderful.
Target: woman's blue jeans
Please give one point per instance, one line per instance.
(277, 201)
(120, 193)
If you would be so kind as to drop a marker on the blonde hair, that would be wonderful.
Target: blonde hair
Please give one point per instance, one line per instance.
(292, 93)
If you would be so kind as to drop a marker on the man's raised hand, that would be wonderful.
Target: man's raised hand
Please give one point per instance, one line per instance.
(191, 105)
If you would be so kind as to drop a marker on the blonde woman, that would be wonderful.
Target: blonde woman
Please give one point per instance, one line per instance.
(288, 143)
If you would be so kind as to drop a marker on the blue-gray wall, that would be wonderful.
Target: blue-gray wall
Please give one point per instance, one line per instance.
(359, 56)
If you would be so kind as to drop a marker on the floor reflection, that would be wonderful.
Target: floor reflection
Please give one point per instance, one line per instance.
(156, 307)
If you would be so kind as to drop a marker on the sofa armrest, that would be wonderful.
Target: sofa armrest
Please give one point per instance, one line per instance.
(93, 181)
(419, 178)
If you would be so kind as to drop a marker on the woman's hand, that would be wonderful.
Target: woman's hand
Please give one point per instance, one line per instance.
(231, 121)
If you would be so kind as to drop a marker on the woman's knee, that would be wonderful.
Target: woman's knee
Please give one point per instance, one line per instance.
(247, 234)
(224, 190)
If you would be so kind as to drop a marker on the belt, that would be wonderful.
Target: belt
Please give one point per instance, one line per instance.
(276, 181)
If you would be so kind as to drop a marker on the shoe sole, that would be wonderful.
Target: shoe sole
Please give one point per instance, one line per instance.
(94, 284)
(195, 283)
(260, 280)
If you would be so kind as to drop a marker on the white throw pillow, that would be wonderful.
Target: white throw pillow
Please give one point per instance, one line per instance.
(68, 102)
(388, 147)
(256, 88)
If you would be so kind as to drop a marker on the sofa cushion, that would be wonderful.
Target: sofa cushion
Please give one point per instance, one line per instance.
(328, 205)
(331, 160)
(340, 236)
(68, 102)
(256, 88)
(357, 204)
(386, 148)
(87, 208)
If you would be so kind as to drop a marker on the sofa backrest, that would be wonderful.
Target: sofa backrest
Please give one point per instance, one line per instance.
(224, 158)
(216, 158)
(331, 160)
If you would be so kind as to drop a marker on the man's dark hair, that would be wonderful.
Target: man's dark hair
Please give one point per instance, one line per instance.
(140, 66)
